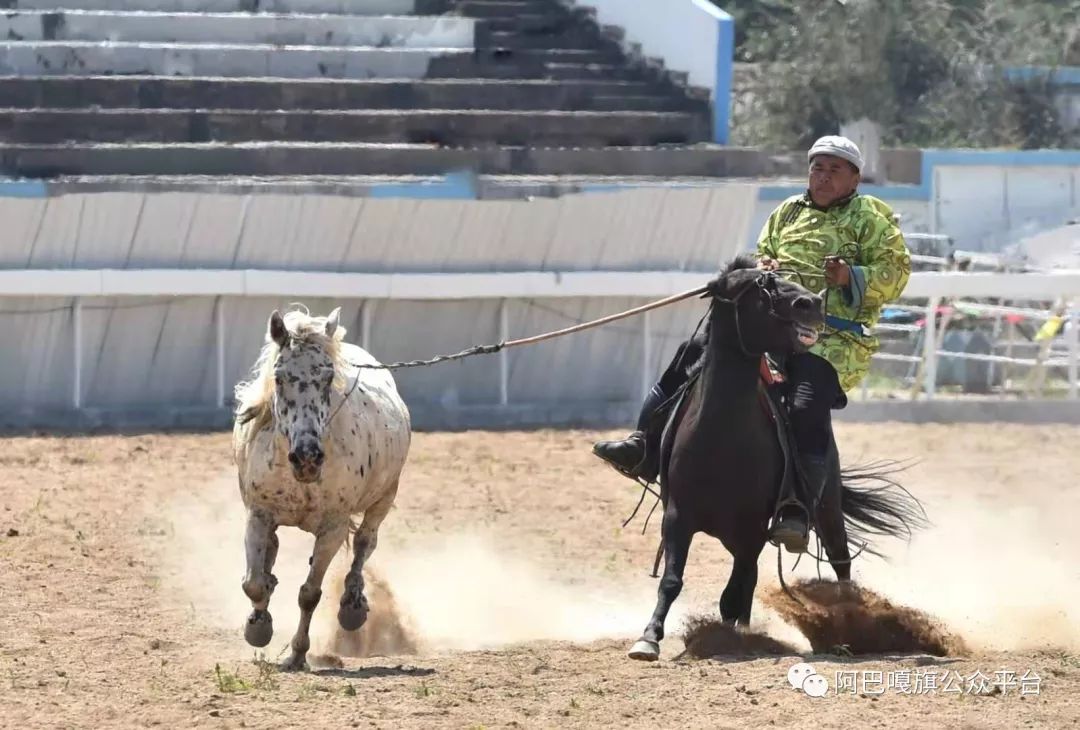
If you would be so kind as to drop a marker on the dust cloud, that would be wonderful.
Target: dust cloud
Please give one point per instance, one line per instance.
(464, 592)
(998, 577)
(447, 593)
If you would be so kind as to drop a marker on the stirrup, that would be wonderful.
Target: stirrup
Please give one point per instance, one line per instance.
(781, 532)
(794, 541)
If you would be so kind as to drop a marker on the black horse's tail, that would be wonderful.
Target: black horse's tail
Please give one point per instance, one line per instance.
(875, 504)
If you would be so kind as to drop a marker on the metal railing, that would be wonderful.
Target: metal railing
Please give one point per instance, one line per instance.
(936, 288)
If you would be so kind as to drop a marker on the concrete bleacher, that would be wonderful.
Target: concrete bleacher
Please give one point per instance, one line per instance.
(336, 87)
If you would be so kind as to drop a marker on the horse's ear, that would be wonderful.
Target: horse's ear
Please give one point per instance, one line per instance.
(277, 331)
(333, 321)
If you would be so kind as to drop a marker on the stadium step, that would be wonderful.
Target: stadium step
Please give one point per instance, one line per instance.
(575, 39)
(162, 92)
(504, 8)
(76, 58)
(197, 88)
(293, 158)
(447, 128)
(239, 29)
(332, 7)
(488, 187)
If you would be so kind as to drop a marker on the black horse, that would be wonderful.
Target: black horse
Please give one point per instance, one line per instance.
(723, 462)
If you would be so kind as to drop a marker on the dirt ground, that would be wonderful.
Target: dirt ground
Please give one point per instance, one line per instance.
(120, 600)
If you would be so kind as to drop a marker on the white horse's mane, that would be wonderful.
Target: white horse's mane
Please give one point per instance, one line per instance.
(254, 396)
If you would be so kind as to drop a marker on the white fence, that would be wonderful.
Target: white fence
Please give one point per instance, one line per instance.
(933, 337)
(223, 284)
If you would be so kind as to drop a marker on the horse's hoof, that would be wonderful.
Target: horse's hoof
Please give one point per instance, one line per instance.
(259, 629)
(645, 651)
(351, 617)
(295, 664)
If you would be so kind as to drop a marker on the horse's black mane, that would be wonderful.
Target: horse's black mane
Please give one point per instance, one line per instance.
(742, 261)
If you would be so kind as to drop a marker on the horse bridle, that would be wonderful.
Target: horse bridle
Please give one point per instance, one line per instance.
(762, 283)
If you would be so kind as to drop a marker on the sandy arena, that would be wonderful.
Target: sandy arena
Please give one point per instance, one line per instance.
(516, 594)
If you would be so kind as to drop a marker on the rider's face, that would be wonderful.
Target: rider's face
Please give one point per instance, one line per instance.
(831, 179)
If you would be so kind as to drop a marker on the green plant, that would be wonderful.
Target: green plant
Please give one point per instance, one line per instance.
(930, 72)
(230, 682)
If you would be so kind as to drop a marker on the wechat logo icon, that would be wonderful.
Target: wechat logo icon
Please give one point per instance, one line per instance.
(803, 677)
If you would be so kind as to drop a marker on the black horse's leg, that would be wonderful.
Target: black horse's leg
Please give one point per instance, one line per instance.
(738, 597)
(830, 522)
(749, 585)
(677, 536)
(730, 599)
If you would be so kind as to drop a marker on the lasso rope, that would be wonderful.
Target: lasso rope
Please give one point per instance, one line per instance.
(492, 349)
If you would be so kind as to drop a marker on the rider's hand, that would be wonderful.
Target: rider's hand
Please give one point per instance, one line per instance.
(768, 264)
(837, 273)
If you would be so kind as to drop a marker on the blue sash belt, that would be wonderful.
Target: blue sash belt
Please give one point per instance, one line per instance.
(846, 325)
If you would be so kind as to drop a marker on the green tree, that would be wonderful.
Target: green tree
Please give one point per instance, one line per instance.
(931, 72)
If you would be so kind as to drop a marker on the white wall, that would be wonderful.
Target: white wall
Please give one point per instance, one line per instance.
(157, 351)
(685, 33)
(991, 207)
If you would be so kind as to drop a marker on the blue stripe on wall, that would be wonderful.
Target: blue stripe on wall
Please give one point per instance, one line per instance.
(454, 186)
(23, 189)
(946, 158)
(463, 185)
(725, 69)
(885, 192)
(1062, 75)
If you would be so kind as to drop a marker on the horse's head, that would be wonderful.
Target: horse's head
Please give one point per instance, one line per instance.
(772, 314)
(303, 380)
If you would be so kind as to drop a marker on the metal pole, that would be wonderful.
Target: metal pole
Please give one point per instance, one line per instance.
(995, 335)
(1006, 368)
(1074, 351)
(76, 337)
(365, 324)
(504, 356)
(646, 355)
(219, 326)
(930, 348)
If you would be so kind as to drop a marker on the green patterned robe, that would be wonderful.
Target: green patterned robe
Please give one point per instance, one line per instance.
(861, 229)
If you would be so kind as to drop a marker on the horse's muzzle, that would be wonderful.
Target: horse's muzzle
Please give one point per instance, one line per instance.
(306, 461)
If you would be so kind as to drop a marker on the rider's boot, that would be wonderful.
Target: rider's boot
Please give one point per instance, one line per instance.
(791, 528)
(637, 456)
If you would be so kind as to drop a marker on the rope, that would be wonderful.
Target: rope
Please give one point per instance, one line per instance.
(535, 339)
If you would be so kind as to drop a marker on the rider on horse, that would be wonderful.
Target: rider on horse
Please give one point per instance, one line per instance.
(830, 238)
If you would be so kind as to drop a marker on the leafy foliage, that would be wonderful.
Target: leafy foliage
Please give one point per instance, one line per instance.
(931, 72)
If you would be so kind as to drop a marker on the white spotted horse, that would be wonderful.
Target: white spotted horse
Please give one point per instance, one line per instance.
(317, 442)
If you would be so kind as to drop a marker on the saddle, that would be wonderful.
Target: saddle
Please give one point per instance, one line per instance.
(770, 395)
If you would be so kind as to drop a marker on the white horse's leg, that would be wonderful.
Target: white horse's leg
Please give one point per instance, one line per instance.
(261, 546)
(354, 607)
(326, 545)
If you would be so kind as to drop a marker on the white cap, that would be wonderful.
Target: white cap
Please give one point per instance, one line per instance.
(837, 146)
